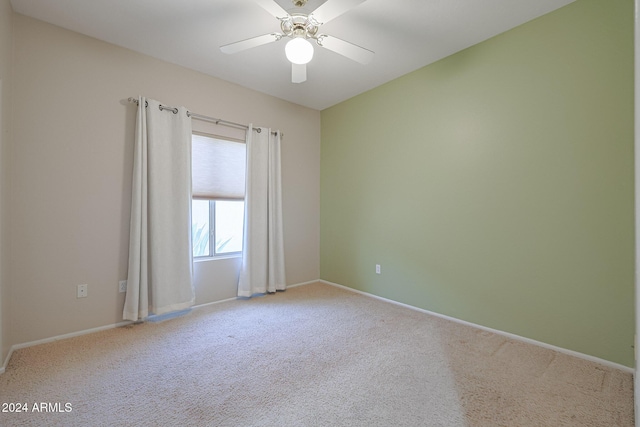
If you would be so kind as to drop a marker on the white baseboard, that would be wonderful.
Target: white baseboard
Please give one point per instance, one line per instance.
(442, 316)
(495, 331)
(304, 283)
(206, 304)
(57, 338)
(103, 328)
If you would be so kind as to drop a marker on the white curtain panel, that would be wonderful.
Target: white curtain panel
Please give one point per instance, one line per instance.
(263, 252)
(160, 258)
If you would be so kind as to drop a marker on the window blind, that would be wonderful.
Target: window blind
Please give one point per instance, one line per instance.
(218, 168)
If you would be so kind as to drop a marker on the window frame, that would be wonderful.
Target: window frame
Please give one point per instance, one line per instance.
(212, 210)
(212, 233)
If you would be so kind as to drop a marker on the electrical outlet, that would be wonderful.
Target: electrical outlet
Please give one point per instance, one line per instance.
(377, 268)
(122, 286)
(82, 291)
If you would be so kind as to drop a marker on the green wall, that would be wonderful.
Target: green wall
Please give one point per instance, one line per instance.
(496, 185)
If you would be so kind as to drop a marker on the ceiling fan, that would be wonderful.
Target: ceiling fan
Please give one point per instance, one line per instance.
(300, 27)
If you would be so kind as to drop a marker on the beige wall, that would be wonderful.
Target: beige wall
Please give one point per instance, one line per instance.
(72, 164)
(5, 138)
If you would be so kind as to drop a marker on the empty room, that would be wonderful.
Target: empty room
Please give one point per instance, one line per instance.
(318, 212)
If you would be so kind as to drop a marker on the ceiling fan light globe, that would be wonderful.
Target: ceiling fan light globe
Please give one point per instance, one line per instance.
(299, 51)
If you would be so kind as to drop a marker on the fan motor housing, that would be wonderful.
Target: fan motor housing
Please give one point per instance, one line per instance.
(299, 25)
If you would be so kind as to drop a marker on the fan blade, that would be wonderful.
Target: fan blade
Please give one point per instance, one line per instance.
(349, 50)
(273, 8)
(332, 9)
(298, 73)
(249, 43)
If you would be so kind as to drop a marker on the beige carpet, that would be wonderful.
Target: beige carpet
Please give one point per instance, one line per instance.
(314, 355)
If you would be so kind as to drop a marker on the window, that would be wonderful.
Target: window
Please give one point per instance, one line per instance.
(217, 208)
(225, 237)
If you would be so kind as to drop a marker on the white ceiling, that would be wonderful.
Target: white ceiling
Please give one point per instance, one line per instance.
(405, 35)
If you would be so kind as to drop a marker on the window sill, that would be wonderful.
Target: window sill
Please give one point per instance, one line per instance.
(217, 258)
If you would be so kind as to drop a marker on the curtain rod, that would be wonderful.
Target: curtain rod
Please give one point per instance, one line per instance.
(205, 118)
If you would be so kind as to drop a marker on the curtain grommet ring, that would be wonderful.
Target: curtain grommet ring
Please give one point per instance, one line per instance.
(174, 110)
